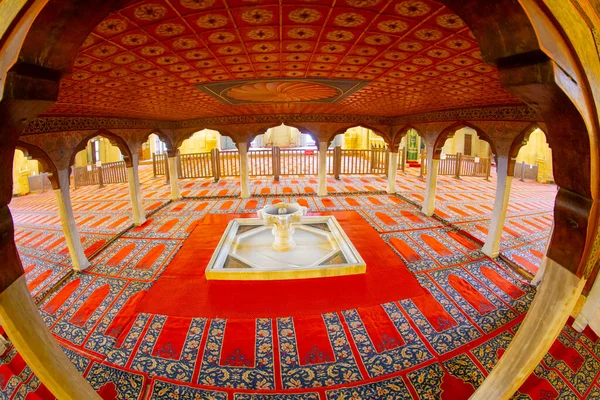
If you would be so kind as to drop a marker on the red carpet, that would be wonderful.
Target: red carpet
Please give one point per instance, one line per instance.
(183, 290)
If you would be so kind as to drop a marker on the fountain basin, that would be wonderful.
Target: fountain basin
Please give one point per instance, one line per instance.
(246, 252)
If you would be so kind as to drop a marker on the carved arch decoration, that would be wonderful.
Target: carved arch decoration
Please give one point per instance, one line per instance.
(398, 133)
(164, 137)
(382, 131)
(450, 131)
(520, 141)
(114, 139)
(35, 153)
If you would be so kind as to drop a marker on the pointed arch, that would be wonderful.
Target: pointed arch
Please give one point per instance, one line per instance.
(33, 152)
(114, 139)
(452, 129)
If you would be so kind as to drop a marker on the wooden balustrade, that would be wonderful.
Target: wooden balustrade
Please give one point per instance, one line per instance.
(299, 162)
(275, 162)
(159, 164)
(195, 165)
(358, 162)
(526, 171)
(260, 162)
(229, 163)
(115, 172)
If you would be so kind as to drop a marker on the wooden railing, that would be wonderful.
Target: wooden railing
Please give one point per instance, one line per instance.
(85, 176)
(195, 165)
(526, 171)
(275, 162)
(115, 172)
(260, 162)
(299, 162)
(364, 162)
(229, 163)
(459, 165)
(160, 164)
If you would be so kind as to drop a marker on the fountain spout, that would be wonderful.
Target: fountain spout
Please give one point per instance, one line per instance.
(282, 216)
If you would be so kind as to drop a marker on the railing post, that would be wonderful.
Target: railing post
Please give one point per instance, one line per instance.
(166, 167)
(100, 177)
(216, 164)
(154, 164)
(422, 170)
(276, 160)
(337, 162)
(458, 165)
(488, 169)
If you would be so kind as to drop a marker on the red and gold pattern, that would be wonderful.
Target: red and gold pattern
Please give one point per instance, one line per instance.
(417, 55)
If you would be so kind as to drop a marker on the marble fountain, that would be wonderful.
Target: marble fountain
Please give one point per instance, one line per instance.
(284, 243)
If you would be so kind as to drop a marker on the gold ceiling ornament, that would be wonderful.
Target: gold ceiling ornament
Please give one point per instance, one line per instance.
(412, 8)
(212, 21)
(150, 12)
(349, 20)
(281, 92)
(305, 15)
(197, 4)
(112, 26)
(257, 16)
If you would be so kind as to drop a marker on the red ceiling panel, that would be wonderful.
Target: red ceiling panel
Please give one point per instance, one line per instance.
(144, 60)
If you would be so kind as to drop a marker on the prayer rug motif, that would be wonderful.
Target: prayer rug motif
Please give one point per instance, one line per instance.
(53, 307)
(314, 352)
(116, 257)
(78, 322)
(151, 259)
(385, 341)
(117, 320)
(514, 292)
(115, 383)
(415, 258)
(276, 396)
(478, 302)
(239, 354)
(389, 389)
(439, 321)
(574, 362)
(169, 348)
(438, 247)
(161, 389)
(435, 382)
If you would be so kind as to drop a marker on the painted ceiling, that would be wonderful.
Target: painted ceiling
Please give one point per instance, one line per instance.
(148, 59)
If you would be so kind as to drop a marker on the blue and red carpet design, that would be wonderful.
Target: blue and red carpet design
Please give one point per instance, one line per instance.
(141, 323)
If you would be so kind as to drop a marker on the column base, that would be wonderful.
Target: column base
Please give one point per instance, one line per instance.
(140, 222)
(580, 323)
(322, 193)
(82, 267)
(427, 212)
(490, 252)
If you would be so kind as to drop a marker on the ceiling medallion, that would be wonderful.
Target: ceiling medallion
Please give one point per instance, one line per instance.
(289, 90)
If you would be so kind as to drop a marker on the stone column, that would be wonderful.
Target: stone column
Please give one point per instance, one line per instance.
(537, 279)
(491, 248)
(322, 190)
(133, 179)
(244, 180)
(590, 307)
(392, 171)
(174, 177)
(79, 261)
(19, 315)
(432, 170)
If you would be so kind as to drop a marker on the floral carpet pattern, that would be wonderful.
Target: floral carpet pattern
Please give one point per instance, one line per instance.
(437, 345)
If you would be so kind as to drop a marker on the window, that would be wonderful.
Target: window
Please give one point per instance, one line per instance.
(468, 143)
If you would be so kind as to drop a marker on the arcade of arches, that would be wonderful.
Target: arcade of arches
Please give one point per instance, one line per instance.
(451, 146)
